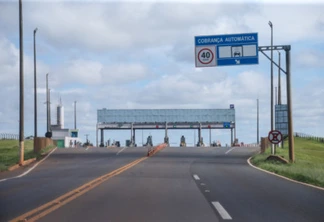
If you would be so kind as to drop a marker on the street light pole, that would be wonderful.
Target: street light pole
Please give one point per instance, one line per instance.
(47, 104)
(49, 110)
(21, 87)
(279, 80)
(271, 97)
(75, 114)
(258, 142)
(35, 88)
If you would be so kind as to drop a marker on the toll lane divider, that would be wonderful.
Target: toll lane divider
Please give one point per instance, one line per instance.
(49, 207)
(153, 150)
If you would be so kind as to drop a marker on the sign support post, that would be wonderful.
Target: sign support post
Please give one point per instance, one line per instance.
(287, 49)
(290, 119)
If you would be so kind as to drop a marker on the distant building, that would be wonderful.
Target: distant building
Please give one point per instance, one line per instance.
(60, 115)
(63, 137)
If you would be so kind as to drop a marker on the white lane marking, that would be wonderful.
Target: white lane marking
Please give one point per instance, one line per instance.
(121, 151)
(202, 184)
(28, 171)
(207, 191)
(196, 177)
(221, 210)
(87, 148)
(229, 150)
(286, 178)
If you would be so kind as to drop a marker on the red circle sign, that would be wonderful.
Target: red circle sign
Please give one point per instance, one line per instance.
(205, 56)
(275, 136)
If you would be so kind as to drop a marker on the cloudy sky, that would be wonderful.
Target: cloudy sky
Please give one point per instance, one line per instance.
(140, 54)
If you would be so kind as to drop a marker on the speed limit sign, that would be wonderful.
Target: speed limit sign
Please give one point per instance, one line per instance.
(205, 56)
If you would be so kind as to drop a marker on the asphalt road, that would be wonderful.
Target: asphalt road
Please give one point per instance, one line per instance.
(176, 184)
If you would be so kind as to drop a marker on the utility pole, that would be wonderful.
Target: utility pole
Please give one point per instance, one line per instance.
(289, 103)
(194, 138)
(49, 110)
(210, 143)
(279, 80)
(258, 141)
(75, 125)
(276, 95)
(87, 137)
(271, 97)
(21, 87)
(47, 104)
(35, 88)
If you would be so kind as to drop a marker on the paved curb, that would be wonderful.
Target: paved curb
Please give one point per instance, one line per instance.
(27, 162)
(283, 177)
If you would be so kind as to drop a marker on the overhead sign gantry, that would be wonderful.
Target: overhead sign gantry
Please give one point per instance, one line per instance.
(242, 49)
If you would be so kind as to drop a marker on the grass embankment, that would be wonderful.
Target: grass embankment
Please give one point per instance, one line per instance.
(9, 152)
(308, 166)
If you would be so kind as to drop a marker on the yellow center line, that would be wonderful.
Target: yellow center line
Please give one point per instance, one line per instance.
(49, 207)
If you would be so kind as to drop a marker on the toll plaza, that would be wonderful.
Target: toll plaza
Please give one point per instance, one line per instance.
(164, 119)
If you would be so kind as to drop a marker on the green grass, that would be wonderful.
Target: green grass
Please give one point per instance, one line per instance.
(9, 152)
(308, 166)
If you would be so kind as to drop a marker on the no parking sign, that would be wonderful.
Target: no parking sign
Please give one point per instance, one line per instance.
(275, 136)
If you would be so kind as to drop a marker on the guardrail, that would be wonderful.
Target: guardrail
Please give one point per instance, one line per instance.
(9, 136)
(309, 137)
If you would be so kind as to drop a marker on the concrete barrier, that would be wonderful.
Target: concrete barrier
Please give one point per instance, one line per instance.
(265, 143)
(41, 143)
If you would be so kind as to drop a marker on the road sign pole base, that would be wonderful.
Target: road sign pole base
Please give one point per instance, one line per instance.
(277, 159)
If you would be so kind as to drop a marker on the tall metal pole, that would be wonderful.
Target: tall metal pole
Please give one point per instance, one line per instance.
(49, 110)
(289, 103)
(276, 96)
(258, 141)
(75, 125)
(210, 137)
(279, 80)
(271, 97)
(194, 138)
(97, 135)
(235, 132)
(35, 88)
(47, 104)
(232, 143)
(21, 87)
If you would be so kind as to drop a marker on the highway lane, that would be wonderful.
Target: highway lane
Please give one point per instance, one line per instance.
(192, 184)
(252, 195)
(63, 171)
(161, 188)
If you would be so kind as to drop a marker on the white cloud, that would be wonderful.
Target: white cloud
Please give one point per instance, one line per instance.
(140, 55)
(124, 73)
(310, 59)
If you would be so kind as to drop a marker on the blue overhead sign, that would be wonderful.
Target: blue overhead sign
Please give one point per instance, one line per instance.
(223, 50)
